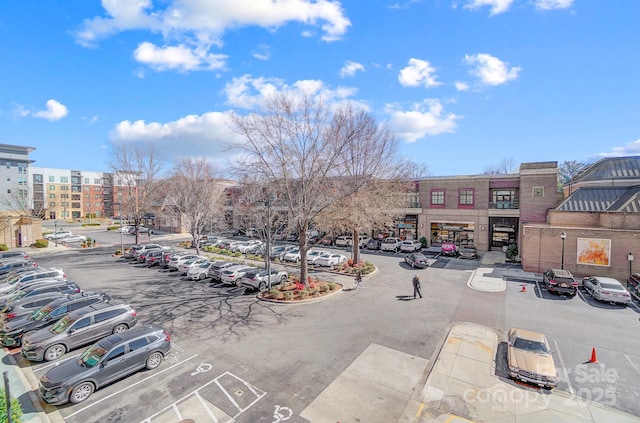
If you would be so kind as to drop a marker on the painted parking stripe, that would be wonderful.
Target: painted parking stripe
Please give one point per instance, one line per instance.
(632, 365)
(564, 369)
(132, 385)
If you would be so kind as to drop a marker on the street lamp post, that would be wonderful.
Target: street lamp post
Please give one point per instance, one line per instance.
(55, 231)
(268, 247)
(563, 236)
(630, 258)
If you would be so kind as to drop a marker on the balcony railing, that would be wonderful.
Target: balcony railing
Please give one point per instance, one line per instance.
(514, 204)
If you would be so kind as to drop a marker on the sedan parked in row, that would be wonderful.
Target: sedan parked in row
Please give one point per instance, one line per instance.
(606, 289)
(184, 266)
(417, 260)
(201, 271)
(76, 238)
(410, 245)
(107, 361)
(232, 275)
(257, 279)
(329, 260)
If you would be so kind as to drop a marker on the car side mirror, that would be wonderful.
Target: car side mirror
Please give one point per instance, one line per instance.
(71, 331)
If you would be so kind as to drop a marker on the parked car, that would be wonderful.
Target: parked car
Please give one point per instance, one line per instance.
(8, 266)
(449, 249)
(13, 254)
(215, 270)
(24, 278)
(431, 253)
(167, 256)
(343, 241)
(125, 229)
(201, 271)
(108, 360)
(328, 240)
(312, 255)
(63, 287)
(330, 260)
(184, 266)
(606, 289)
(233, 274)
(410, 245)
(257, 279)
(78, 328)
(560, 281)
(61, 234)
(153, 257)
(292, 255)
(11, 333)
(373, 244)
(391, 244)
(251, 243)
(417, 260)
(25, 306)
(529, 358)
(257, 248)
(362, 241)
(468, 252)
(279, 251)
(73, 239)
(141, 230)
(633, 285)
(134, 250)
(176, 261)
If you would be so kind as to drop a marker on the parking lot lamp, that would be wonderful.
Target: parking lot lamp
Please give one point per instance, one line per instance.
(121, 241)
(630, 258)
(563, 236)
(55, 231)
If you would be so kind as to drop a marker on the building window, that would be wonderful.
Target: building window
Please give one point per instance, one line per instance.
(52, 187)
(97, 189)
(64, 188)
(97, 181)
(22, 180)
(538, 191)
(86, 180)
(22, 192)
(437, 197)
(52, 204)
(65, 204)
(87, 188)
(9, 191)
(64, 196)
(8, 165)
(22, 168)
(52, 196)
(64, 179)
(97, 204)
(504, 199)
(52, 178)
(8, 178)
(37, 178)
(466, 197)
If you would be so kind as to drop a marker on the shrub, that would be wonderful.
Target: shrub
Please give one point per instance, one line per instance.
(3, 247)
(324, 288)
(423, 242)
(275, 294)
(90, 224)
(287, 295)
(332, 286)
(304, 293)
(41, 243)
(88, 240)
(118, 252)
(16, 409)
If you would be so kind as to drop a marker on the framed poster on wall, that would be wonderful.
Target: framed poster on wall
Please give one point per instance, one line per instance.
(594, 251)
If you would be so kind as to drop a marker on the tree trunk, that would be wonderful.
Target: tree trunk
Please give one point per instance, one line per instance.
(355, 248)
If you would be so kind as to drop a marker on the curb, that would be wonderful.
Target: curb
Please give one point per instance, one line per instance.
(310, 300)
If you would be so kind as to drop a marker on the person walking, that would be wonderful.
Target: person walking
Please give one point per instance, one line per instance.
(358, 279)
(416, 287)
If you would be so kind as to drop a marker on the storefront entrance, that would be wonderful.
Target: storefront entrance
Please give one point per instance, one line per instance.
(502, 231)
(462, 233)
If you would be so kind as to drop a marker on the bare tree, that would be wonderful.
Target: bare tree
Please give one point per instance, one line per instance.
(506, 166)
(193, 192)
(137, 172)
(312, 154)
(569, 169)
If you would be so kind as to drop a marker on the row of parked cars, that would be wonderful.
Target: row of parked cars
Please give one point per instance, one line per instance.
(605, 289)
(200, 268)
(46, 315)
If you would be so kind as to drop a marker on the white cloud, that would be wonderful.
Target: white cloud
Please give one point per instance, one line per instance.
(350, 68)
(190, 28)
(552, 4)
(426, 118)
(180, 58)
(263, 52)
(418, 73)
(497, 6)
(491, 70)
(630, 149)
(55, 111)
(461, 85)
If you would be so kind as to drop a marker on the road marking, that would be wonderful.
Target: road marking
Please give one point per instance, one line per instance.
(419, 412)
(632, 365)
(564, 370)
(205, 406)
(132, 385)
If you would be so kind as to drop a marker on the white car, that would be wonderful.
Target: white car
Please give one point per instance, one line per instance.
(125, 229)
(73, 238)
(391, 244)
(343, 241)
(330, 260)
(606, 289)
(178, 260)
(292, 255)
(313, 255)
(61, 234)
(248, 244)
(199, 272)
(410, 246)
(184, 267)
(233, 275)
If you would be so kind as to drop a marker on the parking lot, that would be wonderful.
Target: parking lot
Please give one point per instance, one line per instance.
(235, 358)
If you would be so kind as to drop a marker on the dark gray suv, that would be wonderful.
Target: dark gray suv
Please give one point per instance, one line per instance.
(78, 328)
(108, 360)
(12, 331)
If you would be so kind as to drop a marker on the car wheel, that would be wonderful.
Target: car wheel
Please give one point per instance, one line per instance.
(54, 352)
(262, 287)
(202, 276)
(81, 392)
(120, 328)
(154, 360)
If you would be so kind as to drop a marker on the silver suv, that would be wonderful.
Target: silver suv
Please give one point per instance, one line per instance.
(78, 328)
(24, 278)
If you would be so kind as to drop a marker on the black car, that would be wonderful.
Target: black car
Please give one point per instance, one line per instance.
(12, 332)
(108, 360)
(416, 260)
(560, 281)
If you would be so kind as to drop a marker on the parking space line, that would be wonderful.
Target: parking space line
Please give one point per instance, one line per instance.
(205, 406)
(132, 385)
(564, 369)
(632, 365)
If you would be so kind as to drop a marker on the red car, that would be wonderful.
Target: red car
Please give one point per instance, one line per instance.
(449, 249)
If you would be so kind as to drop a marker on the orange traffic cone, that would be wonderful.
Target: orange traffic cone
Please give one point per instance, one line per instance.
(593, 358)
(524, 288)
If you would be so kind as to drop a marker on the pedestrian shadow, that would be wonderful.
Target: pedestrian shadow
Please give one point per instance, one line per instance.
(404, 297)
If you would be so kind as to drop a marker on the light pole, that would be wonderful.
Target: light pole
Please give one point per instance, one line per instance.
(563, 236)
(268, 248)
(121, 241)
(630, 258)
(55, 231)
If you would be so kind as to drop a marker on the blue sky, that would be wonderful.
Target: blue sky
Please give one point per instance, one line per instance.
(463, 84)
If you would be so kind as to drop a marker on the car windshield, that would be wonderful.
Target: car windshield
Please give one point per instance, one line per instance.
(92, 355)
(419, 256)
(41, 313)
(610, 285)
(62, 325)
(530, 345)
(205, 265)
